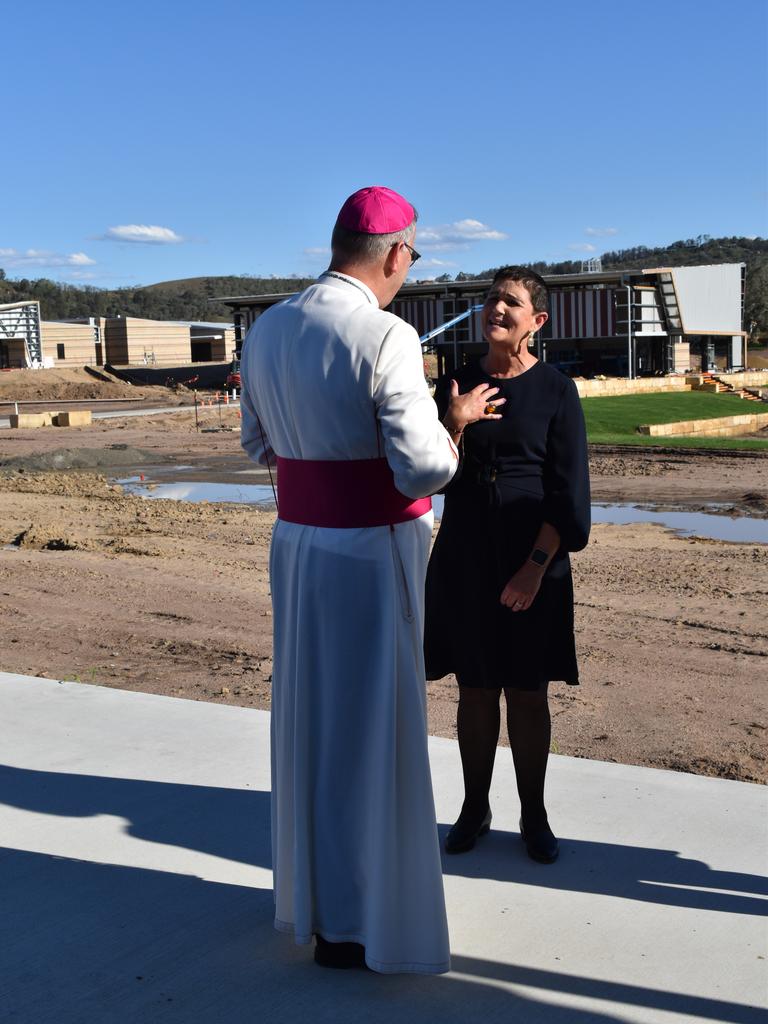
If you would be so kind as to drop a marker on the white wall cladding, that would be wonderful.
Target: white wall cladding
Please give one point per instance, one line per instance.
(710, 298)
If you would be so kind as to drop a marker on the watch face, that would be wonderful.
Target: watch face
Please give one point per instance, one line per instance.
(539, 557)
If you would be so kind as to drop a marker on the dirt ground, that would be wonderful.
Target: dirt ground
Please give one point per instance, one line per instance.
(172, 597)
(76, 384)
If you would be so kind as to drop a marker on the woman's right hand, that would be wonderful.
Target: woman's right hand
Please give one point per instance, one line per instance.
(474, 405)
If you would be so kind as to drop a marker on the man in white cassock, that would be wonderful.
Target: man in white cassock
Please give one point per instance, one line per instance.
(334, 395)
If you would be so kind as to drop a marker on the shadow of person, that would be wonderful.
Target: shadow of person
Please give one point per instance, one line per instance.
(610, 869)
(86, 941)
(235, 824)
(627, 995)
(121, 945)
(229, 823)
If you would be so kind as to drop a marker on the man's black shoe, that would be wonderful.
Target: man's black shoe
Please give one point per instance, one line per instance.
(342, 955)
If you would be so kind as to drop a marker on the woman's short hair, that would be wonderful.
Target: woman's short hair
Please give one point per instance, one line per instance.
(533, 283)
(360, 247)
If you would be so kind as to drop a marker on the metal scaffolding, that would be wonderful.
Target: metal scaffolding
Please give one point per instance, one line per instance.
(20, 329)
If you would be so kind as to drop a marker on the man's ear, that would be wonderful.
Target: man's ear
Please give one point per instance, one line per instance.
(393, 258)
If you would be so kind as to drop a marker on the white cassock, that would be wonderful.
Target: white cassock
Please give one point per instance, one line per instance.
(354, 840)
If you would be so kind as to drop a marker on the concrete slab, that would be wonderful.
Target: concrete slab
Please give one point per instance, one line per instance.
(136, 885)
(31, 420)
(5, 421)
(73, 418)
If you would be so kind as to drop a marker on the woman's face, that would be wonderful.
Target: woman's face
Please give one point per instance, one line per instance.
(508, 315)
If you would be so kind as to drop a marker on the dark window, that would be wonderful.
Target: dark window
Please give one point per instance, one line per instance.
(60, 352)
(452, 308)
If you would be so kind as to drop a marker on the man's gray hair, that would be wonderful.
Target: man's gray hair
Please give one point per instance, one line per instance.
(360, 247)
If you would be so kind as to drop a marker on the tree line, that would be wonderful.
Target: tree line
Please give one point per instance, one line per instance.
(190, 299)
(687, 252)
(171, 300)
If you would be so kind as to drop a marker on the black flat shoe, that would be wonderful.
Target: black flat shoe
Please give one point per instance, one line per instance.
(541, 843)
(341, 955)
(463, 837)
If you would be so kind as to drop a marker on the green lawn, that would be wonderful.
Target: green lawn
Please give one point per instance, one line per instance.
(615, 420)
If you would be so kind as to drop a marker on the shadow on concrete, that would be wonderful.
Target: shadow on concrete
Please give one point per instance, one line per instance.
(229, 823)
(120, 945)
(235, 824)
(607, 869)
(616, 992)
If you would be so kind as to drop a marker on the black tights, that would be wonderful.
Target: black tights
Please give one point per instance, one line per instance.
(529, 728)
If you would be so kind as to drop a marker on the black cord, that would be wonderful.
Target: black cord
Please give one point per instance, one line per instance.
(269, 468)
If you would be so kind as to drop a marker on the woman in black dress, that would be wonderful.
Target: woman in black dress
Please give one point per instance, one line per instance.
(499, 610)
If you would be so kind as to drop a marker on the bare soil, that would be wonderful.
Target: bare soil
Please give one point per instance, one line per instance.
(75, 384)
(172, 597)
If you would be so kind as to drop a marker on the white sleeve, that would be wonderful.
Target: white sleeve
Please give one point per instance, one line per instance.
(417, 446)
(253, 437)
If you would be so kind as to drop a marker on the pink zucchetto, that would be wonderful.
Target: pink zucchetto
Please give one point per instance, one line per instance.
(376, 210)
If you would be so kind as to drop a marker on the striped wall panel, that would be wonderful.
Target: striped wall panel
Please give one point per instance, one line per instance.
(425, 314)
(581, 314)
(419, 313)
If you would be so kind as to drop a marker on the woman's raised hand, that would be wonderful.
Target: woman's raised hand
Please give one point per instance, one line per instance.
(478, 404)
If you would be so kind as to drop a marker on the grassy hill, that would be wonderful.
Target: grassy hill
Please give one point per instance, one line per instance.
(186, 299)
(689, 252)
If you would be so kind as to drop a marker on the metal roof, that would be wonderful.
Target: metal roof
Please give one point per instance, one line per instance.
(447, 288)
(17, 305)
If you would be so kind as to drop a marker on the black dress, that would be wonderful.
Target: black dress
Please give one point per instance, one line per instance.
(527, 468)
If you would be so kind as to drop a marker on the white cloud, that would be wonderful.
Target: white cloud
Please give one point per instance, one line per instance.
(457, 235)
(426, 264)
(143, 234)
(318, 250)
(84, 275)
(601, 232)
(583, 247)
(14, 258)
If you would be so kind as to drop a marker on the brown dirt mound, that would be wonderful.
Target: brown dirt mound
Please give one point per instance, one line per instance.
(69, 384)
(110, 457)
(71, 485)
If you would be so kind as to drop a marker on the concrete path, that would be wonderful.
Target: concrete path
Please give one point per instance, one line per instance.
(128, 413)
(135, 884)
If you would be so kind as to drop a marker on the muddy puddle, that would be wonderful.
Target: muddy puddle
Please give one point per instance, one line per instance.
(239, 486)
(711, 525)
(191, 490)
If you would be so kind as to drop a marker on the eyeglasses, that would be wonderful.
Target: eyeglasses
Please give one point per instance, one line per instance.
(414, 255)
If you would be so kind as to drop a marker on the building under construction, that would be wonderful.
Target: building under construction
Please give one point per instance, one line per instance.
(28, 341)
(616, 323)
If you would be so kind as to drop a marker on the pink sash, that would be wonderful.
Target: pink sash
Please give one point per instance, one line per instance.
(343, 494)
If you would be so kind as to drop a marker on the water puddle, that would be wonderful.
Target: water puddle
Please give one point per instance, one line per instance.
(188, 490)
(739, 529)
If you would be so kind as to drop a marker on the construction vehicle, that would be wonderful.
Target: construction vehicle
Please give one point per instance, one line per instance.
(233, 377)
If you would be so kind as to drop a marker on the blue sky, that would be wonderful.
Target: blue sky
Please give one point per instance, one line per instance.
(151, 141)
